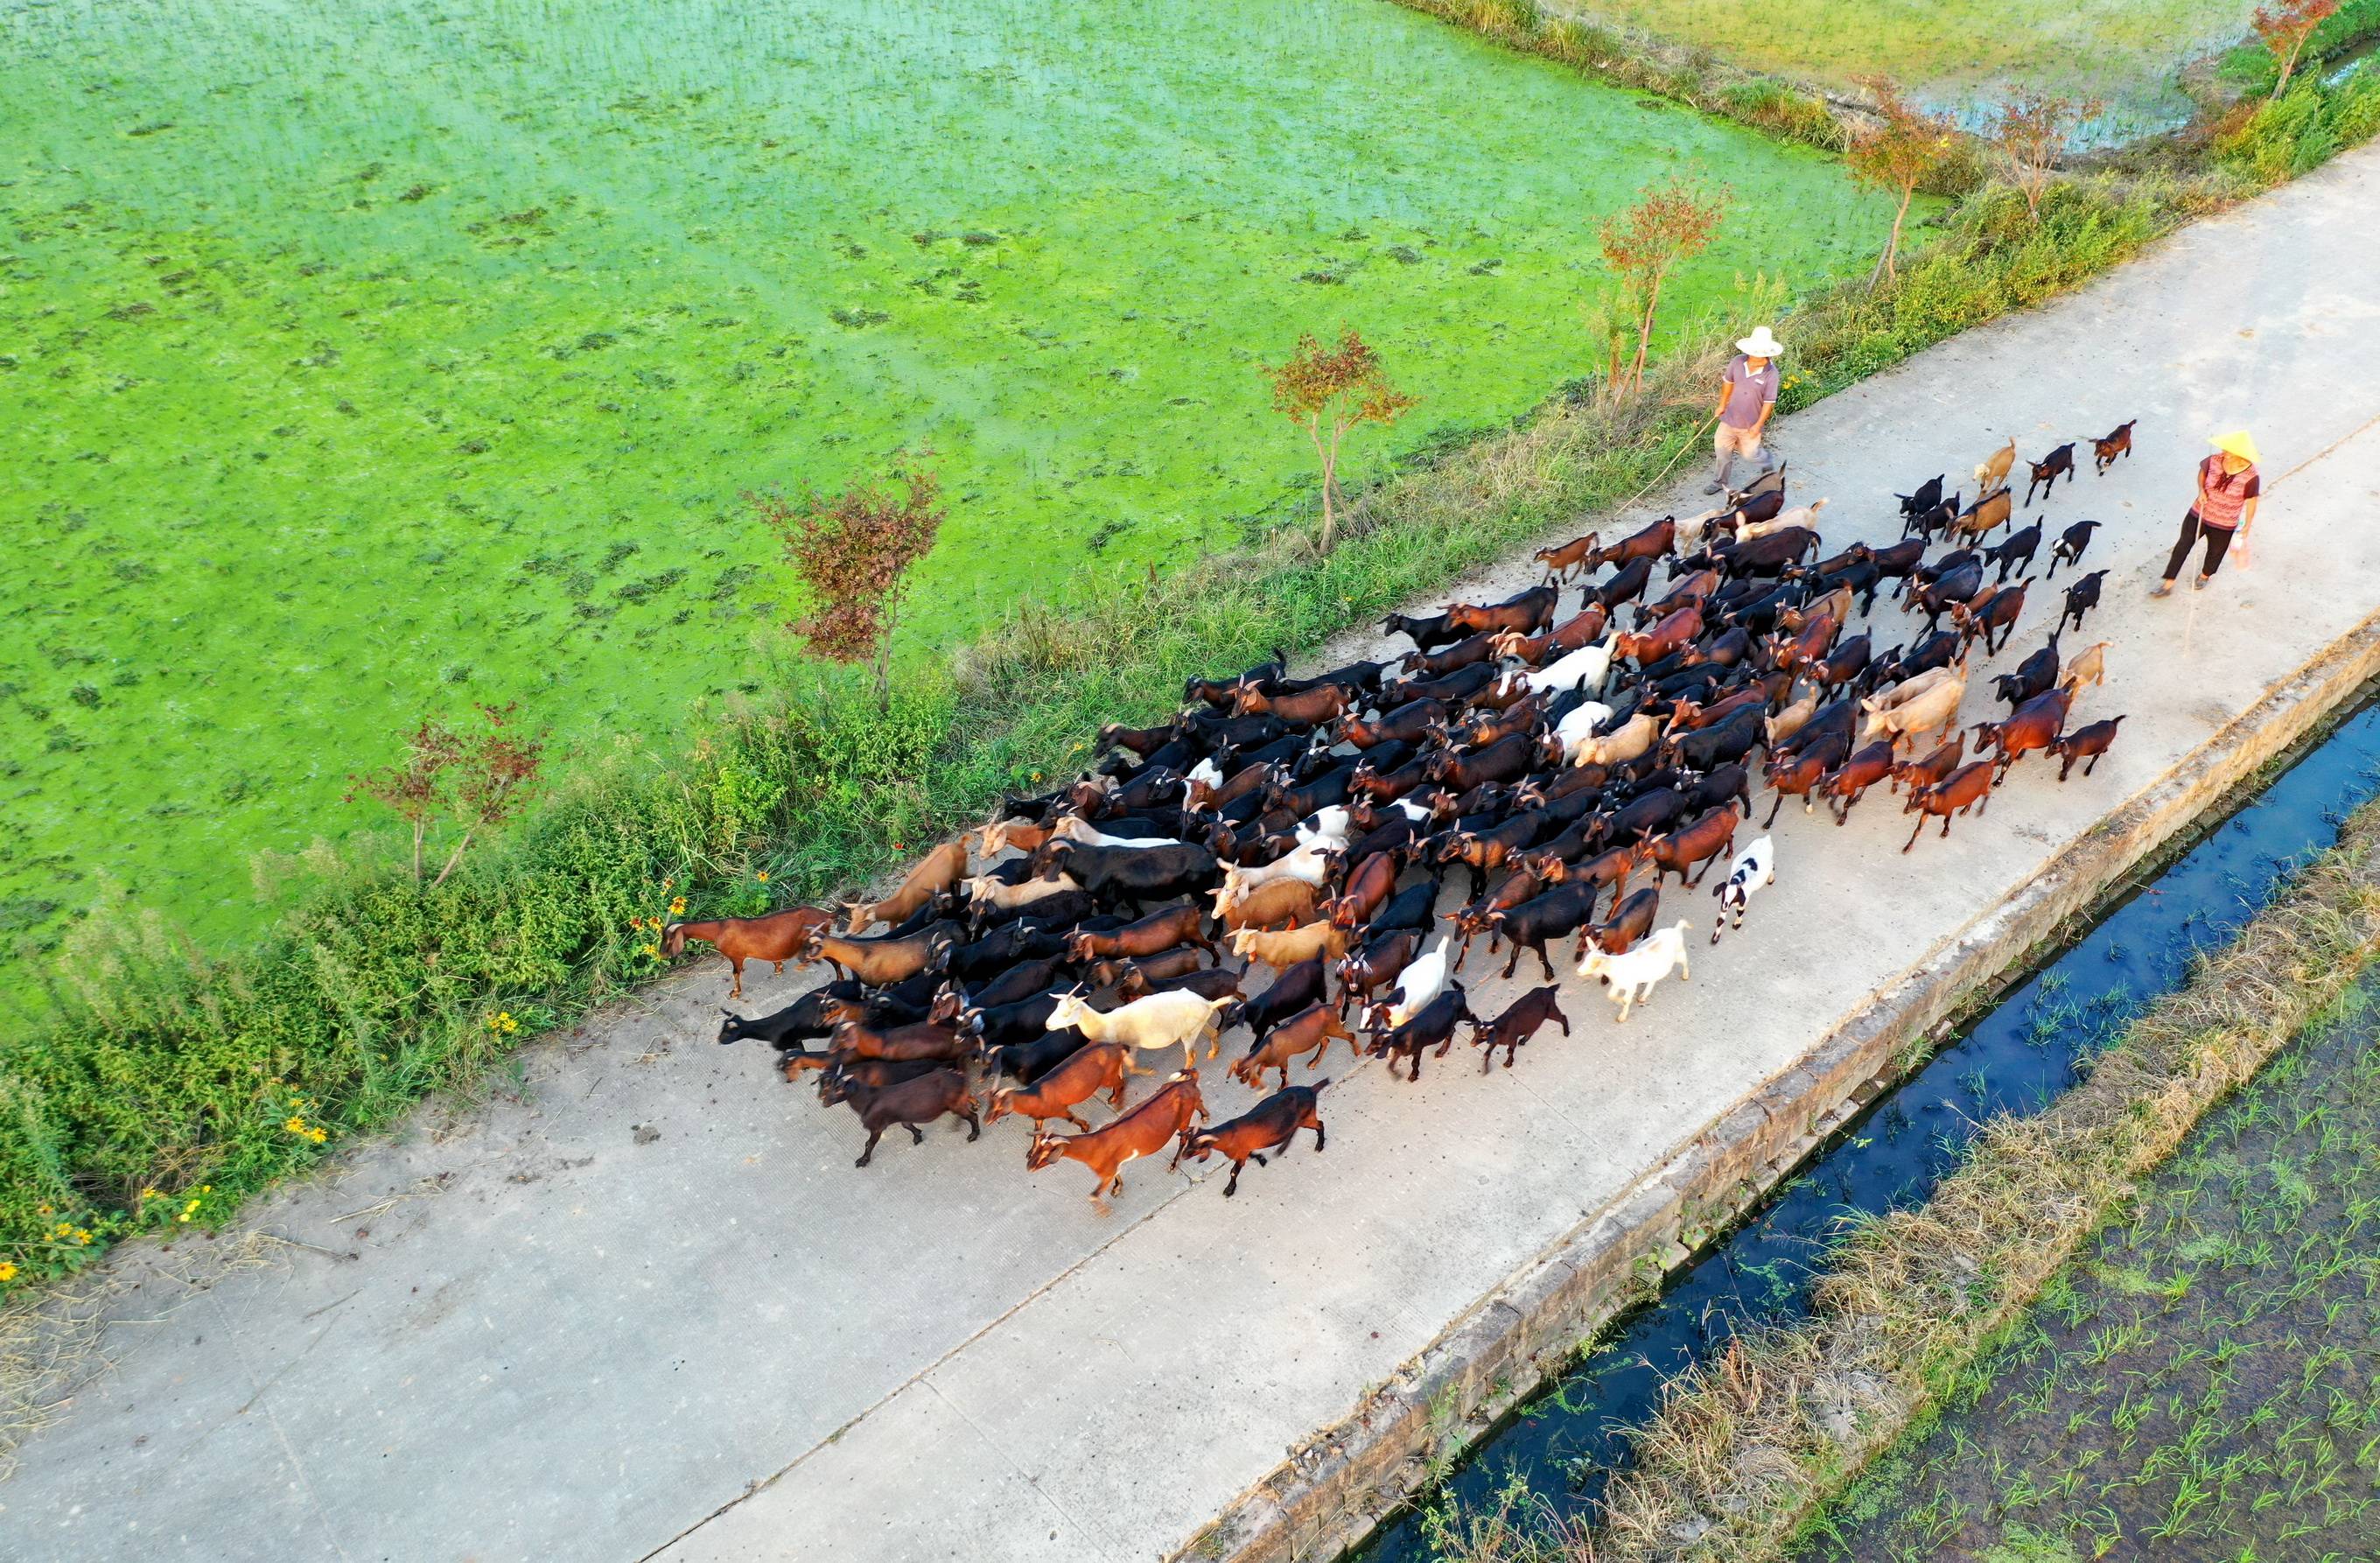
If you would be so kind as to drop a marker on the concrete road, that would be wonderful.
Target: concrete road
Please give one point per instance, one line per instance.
(647, 1308)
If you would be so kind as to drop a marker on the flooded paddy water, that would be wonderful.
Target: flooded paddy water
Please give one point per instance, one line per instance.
(364, 361)
(1562, 1445)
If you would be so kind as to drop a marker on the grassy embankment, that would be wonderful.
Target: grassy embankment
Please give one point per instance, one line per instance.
(167, 1087)
(1746, 1449)
(2203, 1377)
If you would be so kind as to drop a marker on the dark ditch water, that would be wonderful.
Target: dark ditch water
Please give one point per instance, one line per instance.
(1562, 1445)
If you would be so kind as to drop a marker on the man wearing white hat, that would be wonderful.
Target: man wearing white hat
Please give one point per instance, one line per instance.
(2228, 486)
(1747, 395)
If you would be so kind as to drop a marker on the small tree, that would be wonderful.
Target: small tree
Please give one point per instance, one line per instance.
(476, 781)
(1897, 153)
(1644, 243)
(2283, 26)
(2031, 135)
(1328, 394)
(854, 551)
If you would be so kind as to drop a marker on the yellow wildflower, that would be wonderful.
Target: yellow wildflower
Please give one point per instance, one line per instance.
(762, 876)
(652, 949)
(296, 1126)
(677, 905)
(152, 1194)
(316, 1134)
(7, 1272)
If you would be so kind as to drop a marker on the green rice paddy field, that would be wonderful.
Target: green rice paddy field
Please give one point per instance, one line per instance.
(359, 362)
(2202, 1383)
(1956, 51)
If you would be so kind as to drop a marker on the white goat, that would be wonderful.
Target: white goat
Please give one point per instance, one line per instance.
(1176, 1018)
(1632, 977)
(1074, 827)
(1579, 725)
(1309, 861)
(1326, 829)
(1754, 869)
(1416, 985)
(1796, 516)
(1586, 668)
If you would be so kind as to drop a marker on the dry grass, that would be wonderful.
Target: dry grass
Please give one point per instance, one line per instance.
(1746, 1447)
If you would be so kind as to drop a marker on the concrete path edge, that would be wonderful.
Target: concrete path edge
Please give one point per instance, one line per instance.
(1327, 1495)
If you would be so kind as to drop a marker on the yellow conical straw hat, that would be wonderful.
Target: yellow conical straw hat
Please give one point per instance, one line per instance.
(2237, 442)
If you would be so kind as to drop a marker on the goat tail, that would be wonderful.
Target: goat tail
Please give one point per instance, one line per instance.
(1319, 1084)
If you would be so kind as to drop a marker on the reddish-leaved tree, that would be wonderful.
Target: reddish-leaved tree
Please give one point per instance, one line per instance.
(853, 552)
(476, 781)
(1644, 243)
(1896, 153)
(2283, 26)
(1328, 393)
(2030, 134)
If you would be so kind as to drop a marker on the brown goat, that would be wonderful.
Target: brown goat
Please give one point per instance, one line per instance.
(1708, 840)
(1308, 1031)
(1270, 1125)
(1144, 1132)
(1099, 1066)
(1516, 1025)
(936, 873)
(878, 962)
(911, 1103)
(776, 938)
(1157, 932)
(1277, 903)
(1968, 786)
(1562, 561)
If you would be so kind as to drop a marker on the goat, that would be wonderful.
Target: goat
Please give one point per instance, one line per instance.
(2116, 442)
(776, 938)
(1089, 1070)
(1849, 783)
(1561, 561)
(1378, 964)
(2032, 726)
(1968, 786)
(878, 963)
(2088, 665)
(2070, 546)
(1696, 845)
(1633, 976)
(1270, 1125)
(1291, 991)
(1153, 934)
(1290, 946)
(1433, 1022)
(912, 1103)
(2047, 472)
(1993, 468)
(1163, 1119)
(2082, 596)
(1160, 1020)
(1525, 1017)
(1754, 870)
(1308, 1031)
(2083, 743)
(937, 873)
(2034, 673)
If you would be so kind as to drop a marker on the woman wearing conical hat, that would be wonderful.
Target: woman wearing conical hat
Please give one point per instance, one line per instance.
(2228, 485)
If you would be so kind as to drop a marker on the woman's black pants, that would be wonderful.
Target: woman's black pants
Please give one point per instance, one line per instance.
(2218, 541)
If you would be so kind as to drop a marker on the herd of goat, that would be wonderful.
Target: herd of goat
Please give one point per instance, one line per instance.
(1309, 826)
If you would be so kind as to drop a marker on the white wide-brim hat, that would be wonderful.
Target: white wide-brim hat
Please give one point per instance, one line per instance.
(1759, 345)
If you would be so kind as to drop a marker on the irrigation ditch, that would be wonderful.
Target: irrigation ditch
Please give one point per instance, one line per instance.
(2016, 1047)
